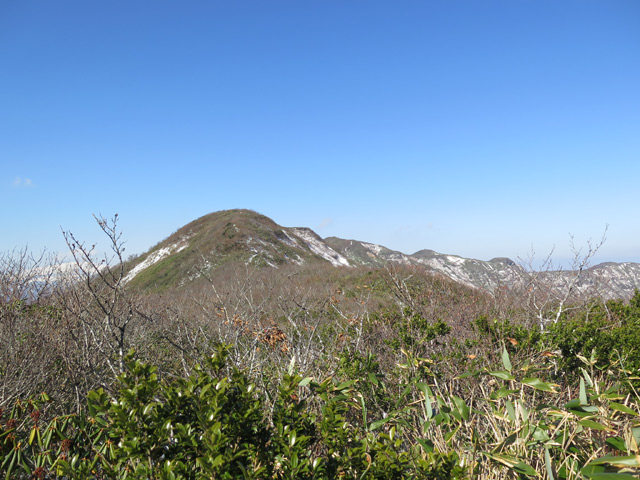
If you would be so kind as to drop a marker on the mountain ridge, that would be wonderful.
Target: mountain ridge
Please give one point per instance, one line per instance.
(248, 237)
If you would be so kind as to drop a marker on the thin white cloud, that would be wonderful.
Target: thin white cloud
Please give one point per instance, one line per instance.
(20, 182)
(325, 223)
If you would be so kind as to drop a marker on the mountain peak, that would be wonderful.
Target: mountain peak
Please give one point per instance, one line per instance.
(228, 236)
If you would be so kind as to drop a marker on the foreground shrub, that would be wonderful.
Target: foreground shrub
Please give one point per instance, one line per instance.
(508, 421)
(212, 425)
(611, 329)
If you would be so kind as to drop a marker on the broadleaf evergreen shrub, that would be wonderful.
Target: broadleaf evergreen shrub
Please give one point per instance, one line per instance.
(610, 329)
(214, 424)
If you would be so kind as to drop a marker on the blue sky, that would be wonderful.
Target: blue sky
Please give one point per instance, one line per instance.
(478, 128)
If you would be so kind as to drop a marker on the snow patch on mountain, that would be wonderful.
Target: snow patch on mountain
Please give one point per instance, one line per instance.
(399, 257)
(297, 260)
(317, 246)
(455, 260)
(58, 270)
(450, 268)
(155, 257)
(372, 247)
(289, 241)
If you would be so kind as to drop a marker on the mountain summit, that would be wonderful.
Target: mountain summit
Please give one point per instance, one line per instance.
(224, 237)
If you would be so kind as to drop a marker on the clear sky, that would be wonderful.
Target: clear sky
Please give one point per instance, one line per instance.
(478, 128)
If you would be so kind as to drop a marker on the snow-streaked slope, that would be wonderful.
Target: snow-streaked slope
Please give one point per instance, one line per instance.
(155, 257)
(246, 236)
(319, 247)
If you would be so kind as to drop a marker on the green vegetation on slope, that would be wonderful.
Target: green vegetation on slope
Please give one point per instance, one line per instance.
(215, 240)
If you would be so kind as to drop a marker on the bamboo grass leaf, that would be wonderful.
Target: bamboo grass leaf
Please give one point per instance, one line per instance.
(424, 388)
(547, 464)
(506, 361)
(378, 423)
(594, 425)
(539, 384)
(617, 443)
(622, 408)
(503, 374)
(514, 464)
(626, 461)
(462, 407)
(583, 393)
(511, 410)
(607, 475)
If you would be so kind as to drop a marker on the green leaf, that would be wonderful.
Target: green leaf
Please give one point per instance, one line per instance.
(504, 375)
(424, 388)
(525, 469)
(513, 463)
(609, 476)
(628, 461)
(583, 393)
(305, 381)
(622, 408)
(502, 392)
(11, 464)
(539, 434)
(345, 385)
(365, 421)
(506, 361)
(510, 440)
(47, 436)
(547, 463)
(378, 423)
(587, 377)
(147, 409)
(635, 433)
(292, 365)
(451, 434)
(205, 389)
(33, 435)
(582, 411)
(524, 411)
(617, 443)
(461, 406)
(426, 444)
(593, 425)
(218, 461)
(539, 384)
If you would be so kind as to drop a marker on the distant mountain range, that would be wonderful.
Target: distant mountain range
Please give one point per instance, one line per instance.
(254, 239)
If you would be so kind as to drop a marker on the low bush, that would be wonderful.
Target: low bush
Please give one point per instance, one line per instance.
(611, 329)
(501, 422)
